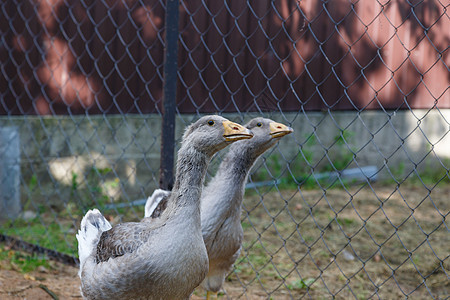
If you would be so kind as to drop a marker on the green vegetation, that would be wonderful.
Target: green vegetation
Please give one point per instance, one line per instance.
(91, 192)
(42, 230)
(301, 284)
(344, 221)
(307, 170)
(22, 262)
(430, 172)
(54, 236)
(299, 171)
(340, 153)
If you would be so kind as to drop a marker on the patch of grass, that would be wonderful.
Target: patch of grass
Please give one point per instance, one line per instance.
(340, 153)
(298, 173)
(89, 191)
(93, 192)
(398, 171)
(300, 167)
(60, 235)
(301, 284)
(245, 225)
(254, 262)
(31, 187)
(53, 236)
(20, 261)
(429, 172)
(345, 221)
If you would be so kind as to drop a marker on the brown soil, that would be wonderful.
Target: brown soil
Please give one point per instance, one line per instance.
(62, 281)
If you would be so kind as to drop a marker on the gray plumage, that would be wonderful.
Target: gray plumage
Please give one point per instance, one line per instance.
(222, 199)
(163, 258)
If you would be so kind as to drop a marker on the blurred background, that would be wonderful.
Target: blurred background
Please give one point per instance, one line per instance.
(94, 97)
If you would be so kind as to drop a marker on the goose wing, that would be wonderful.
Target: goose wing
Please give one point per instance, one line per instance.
(123, 238)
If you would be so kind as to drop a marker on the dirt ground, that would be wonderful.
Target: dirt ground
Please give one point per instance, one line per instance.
(361, 242)
(61, 282)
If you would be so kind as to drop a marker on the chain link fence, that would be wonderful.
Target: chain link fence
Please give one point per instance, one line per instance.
(353, 204)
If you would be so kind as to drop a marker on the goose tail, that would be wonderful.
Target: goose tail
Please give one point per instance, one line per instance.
(92, 226)
(154, 200)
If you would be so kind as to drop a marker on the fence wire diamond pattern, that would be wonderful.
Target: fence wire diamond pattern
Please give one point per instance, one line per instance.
(352, 205)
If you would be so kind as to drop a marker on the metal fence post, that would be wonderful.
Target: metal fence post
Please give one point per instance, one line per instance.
(170, 93)
(9, 173)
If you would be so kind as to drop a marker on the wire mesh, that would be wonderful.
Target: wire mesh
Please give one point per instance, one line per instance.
(353, 204)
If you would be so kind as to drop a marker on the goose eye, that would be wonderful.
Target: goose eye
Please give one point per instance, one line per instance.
(259, 124)
(210, 122)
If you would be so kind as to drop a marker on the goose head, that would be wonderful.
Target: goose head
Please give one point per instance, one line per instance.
(212, 133)
(266, 133)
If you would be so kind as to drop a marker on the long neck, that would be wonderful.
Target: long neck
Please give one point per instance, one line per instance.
(190, 174)
(236, 165)
(226, 189)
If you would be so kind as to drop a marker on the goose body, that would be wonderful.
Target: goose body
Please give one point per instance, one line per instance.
(221, 199)
(163, 258)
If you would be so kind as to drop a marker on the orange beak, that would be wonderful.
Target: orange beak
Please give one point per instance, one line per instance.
(235, 132)
(279, 130)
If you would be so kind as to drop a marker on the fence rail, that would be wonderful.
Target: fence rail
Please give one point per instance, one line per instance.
(353, 204)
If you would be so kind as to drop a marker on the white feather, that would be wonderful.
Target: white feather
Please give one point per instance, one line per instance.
(153, 201)
(91, 228)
